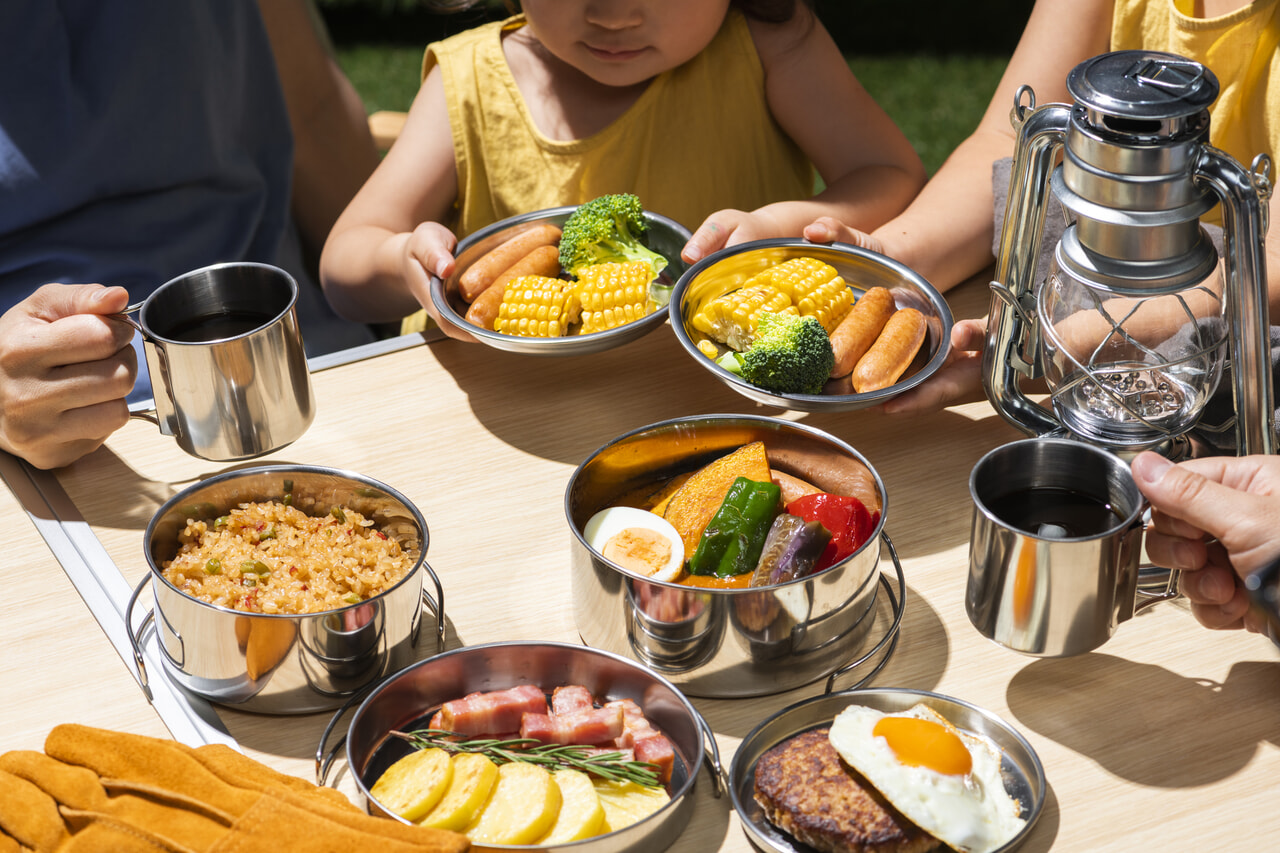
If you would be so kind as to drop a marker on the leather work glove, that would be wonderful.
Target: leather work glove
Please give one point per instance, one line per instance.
(98, 790)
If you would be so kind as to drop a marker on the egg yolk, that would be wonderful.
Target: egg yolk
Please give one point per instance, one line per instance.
(639, 549)
(924, 743)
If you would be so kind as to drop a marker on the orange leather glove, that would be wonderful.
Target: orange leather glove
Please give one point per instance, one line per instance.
(94, 789)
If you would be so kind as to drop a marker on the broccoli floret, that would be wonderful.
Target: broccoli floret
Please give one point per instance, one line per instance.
(789, 355)
(604, 230)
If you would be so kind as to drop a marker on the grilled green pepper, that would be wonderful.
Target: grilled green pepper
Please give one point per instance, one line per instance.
(732, 541)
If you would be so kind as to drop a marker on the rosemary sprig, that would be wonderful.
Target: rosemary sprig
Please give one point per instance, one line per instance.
(607, 765)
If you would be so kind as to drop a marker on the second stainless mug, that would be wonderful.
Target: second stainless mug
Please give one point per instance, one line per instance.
(228, 369)
(1055, 547)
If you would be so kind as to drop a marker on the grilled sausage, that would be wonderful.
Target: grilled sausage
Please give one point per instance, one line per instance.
(892, 352)
(493, 263)
(544, 260)
(855, 334)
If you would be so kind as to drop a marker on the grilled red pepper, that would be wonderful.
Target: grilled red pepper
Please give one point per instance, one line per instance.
(850, 522)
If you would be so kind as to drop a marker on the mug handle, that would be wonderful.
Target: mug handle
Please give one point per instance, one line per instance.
(149, 413)
(1144, 598)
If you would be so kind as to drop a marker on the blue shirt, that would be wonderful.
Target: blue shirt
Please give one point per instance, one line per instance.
(139, 139)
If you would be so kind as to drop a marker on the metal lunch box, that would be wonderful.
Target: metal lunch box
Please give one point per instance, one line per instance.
(286, 663)
(728, 643)
(406, 701)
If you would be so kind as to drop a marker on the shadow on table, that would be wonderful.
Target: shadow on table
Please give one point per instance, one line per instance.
(1215, 728)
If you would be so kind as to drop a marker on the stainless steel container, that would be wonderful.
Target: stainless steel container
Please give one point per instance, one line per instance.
(724, 642)
(407, 700)
(286, 664)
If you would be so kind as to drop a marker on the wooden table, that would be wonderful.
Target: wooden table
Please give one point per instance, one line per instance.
(1167, 736)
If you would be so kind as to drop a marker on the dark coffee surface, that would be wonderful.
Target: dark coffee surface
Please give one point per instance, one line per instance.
(1053, 513)
(216, 327)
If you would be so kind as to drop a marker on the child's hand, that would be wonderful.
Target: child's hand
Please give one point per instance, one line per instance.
(959, 380)
(825, 229)
(428, 252)
(726, 228)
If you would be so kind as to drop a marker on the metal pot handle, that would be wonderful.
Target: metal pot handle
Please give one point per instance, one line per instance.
(890, 638)
(436, 607)
(324, 760)
(135, 637)
(711, 758)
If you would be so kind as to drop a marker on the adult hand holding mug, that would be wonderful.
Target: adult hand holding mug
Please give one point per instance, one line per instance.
(65, 368)
(1217, 519)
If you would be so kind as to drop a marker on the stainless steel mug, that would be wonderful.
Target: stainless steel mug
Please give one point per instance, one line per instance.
(228, 369)
(1055, 547)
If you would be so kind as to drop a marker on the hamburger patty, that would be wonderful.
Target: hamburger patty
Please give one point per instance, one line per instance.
(807, 790)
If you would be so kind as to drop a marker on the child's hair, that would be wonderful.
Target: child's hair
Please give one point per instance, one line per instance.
(770, 11)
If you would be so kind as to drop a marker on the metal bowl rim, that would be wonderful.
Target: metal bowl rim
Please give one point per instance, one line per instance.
(1036, 780)
(813, 431)
(813, 402)
(694, 765)
(259, 470)
(594, 342)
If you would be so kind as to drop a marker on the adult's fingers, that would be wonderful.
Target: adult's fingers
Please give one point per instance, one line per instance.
(1223, 616)
(1188, 501)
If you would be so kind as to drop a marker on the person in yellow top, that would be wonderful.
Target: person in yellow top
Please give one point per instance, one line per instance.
(716, 110)
(947, 233)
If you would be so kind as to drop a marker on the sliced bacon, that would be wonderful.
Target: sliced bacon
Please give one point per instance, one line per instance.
(571, 697)
(590, 726)
(498, 711)
(640, 736)
(656, 749)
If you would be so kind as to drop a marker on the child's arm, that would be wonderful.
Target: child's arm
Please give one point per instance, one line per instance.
(947, 232)
(870, 170)
(378, 259)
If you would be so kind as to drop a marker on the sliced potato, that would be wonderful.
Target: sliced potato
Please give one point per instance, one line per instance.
(581, 815)
(626, 803)
(523, 806)
(413, 785)
(473, 780)
(694, 503)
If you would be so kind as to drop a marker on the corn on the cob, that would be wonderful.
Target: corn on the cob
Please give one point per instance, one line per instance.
(815, 288)
(537, 306)
(731, 317)
(613, 294)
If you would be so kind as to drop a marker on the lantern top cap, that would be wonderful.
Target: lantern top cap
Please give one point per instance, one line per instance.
(1143, 84)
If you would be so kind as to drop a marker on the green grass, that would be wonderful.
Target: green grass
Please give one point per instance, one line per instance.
(937, 101)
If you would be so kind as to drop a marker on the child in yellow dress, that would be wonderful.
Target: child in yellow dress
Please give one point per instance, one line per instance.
(708, 110)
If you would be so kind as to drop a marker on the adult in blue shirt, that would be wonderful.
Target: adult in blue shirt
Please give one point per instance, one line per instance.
(141, 139)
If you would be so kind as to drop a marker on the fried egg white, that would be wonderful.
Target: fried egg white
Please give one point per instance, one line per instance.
(642, 542)
(944, 780)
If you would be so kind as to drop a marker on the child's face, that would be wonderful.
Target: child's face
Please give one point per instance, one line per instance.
(624, 42)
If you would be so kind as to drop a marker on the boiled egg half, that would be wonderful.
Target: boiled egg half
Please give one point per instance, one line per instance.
(944, 780)
(639, 541)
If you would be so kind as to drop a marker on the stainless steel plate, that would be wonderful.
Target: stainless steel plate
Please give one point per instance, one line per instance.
(861, 269)
(665, 236)
(1023, 774)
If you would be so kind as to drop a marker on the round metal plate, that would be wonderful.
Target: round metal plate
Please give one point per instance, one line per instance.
(860, 268)
(1023, 774)
(665, 236)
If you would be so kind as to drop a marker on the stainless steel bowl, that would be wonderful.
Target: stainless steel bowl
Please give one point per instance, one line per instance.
(665, 236)
(1020, 766)
(407, 700)
(861, 269)
(724, 642)
(286, 664)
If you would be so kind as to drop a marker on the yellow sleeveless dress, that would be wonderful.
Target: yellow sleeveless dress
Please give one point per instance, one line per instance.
(700, 138)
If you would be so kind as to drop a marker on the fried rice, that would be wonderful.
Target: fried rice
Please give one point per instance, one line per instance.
(268, 557)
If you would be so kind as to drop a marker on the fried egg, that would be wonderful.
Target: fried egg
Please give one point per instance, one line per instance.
(641, 542)
(944, 780)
